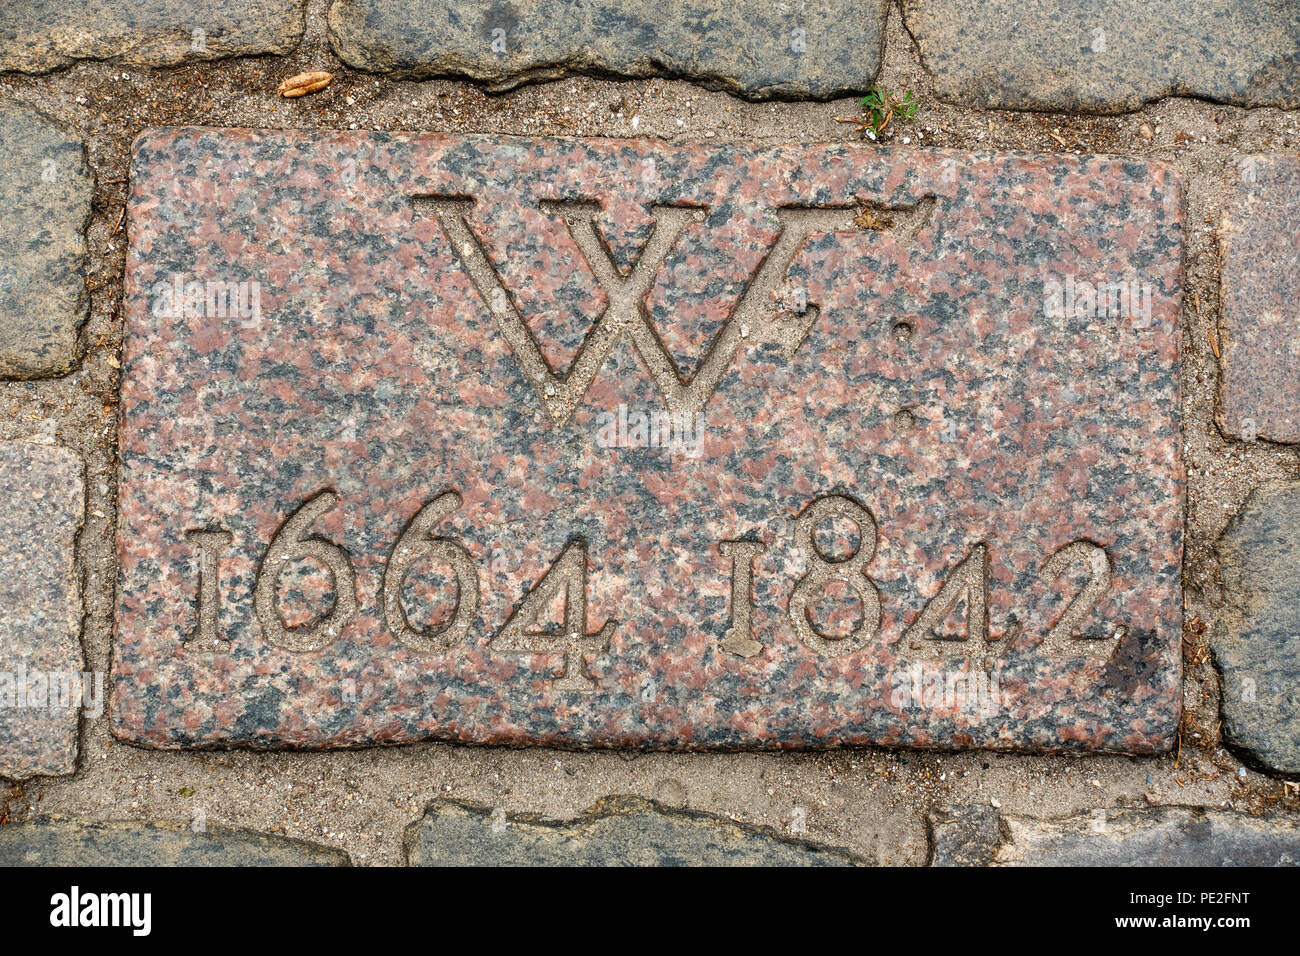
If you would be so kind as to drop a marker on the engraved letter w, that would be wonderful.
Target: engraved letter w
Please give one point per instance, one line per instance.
(625, 313)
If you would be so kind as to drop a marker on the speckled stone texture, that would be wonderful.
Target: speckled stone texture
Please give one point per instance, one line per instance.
(55, 841)
(41, 505)
(618, 831)
(45, 190)
(1158, 836)
(37, 36)
(916, 370)
(811, 48)
(1259, 347)
(1108, 56)
(964, 836)
(1257, 638)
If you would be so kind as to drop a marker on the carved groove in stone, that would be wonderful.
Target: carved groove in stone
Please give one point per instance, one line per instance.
(418, 543)
(626, 314)
(290, 543)
(520, 634)
(740, 636)
(206, 636)
(822, 570)
(968, 580)
(1066, 636)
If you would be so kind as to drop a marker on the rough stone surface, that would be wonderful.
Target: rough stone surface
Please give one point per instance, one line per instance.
(1257, 637)
(53, 841)
(45, 190)
(811, 48)
(1108, 55)
(964, 836)
(383, 372)
(1158, 836)
(37, 36)
(41, 503)
(1259, 287)
(618, 831)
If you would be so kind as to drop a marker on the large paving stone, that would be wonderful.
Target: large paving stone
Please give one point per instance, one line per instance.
(42, 683)
(1257, 637)
(1158, 836)
(45, 192)
(476, 471)
(55, 841)
(816, 48)
(618, 831)
(37, 36)
(1259, 341)
(1108, 55)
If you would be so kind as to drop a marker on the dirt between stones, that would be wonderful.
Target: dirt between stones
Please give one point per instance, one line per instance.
(871, 802)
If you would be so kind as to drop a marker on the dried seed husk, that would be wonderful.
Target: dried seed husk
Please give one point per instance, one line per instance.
(304, 83)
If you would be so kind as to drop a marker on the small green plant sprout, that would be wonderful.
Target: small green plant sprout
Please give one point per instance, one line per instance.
(879, 109)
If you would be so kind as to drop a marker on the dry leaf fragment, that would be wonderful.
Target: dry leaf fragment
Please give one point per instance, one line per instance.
(870, 219)
(305, 83)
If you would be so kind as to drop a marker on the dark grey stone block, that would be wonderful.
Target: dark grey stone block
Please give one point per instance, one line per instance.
(37, 36)
(618, 831)
(1108, 55)
(45, 193)
(1158, 836)
(818, 49)
(61, 842)
(1256, 640)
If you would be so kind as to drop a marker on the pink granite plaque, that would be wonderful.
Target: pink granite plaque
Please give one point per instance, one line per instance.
(602, 443)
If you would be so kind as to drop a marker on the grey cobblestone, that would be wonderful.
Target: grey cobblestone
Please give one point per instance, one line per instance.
(1108, 55)
(817, 48)
(1259, 393)
(37, 36)
(42, 684)
(61, 842)
(1158, 836)
(1257, 639)
(45, 190)
(618, 831)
